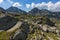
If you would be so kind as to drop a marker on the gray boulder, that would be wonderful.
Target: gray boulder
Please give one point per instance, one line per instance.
(22, 33)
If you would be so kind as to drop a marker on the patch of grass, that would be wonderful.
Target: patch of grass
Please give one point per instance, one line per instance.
(6, 35)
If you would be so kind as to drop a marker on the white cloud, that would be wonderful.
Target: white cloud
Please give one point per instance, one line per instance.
(10, 1)
(37, 5)
(49, 6)
(28, 5)
(1, 1)
(54, 6)
(43, 5)
(57, 6)
(33, 5)
(16, 4)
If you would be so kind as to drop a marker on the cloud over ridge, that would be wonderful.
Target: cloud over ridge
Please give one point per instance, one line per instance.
(16, 4)
(49, 6)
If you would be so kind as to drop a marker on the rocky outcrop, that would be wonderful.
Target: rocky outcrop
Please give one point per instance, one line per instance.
(49, 29)
(45, 20)
(22, 33)
(35, 32)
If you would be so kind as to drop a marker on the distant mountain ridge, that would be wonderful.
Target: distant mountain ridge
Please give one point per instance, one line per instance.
(34, 11)
(15, 10)
(38, 11)
(44, 12)
(2, 10)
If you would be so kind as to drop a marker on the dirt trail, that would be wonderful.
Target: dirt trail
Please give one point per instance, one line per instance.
(15, 27)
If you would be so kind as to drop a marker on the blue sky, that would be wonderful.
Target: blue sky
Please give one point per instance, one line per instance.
(29, 4)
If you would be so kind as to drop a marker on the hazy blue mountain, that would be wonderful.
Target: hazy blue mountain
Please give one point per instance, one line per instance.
(15, 10)
(2, 10)
(34, 11)
(44, 12)
(38, 11)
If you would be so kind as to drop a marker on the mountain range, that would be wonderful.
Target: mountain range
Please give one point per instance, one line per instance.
(37, 24)
(34, 11)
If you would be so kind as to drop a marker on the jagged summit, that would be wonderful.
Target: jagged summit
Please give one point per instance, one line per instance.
(15, 10)
(34, 11)
(40, 11)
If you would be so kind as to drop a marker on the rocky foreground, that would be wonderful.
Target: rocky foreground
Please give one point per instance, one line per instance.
(41, 28)
(28, 31)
